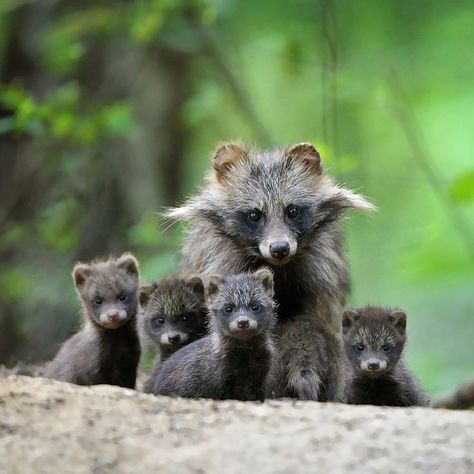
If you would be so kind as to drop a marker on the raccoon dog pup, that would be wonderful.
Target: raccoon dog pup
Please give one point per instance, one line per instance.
(174, 313)
(276, 208)
(235, 359)
(107, 349)
(374, 339)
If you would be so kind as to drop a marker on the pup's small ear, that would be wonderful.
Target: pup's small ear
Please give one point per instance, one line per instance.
(80, 274)
(144, 294)
(128, 263)
(399, 320)
(213, 286)
(308, 155)
(196, 284)
(264, 276)
(349, 317)
(226, 156)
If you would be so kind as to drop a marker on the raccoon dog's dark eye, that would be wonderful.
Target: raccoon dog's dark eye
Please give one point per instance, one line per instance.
(292, 212)
(360, 347)
(229, 308)
(386, 347)
(123, 298)
(158, 321)
(255, 308)
(254, 215)
(184, 317)
(98, 300)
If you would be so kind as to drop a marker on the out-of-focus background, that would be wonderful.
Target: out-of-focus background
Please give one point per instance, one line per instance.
(109, 110)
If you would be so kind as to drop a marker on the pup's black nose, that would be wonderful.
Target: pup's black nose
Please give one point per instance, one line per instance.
(373, 365)
(279, 249)
(174, 339)
(243, 323)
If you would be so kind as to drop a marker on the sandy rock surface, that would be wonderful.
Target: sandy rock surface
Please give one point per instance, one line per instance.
(53, 427)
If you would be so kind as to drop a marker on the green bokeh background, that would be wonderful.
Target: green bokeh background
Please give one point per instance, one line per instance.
(109, 111)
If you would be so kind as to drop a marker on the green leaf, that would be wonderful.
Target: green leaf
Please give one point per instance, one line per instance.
(15, 283)
(117, 118)
(57, 226)
(462, 189)
(145, 232)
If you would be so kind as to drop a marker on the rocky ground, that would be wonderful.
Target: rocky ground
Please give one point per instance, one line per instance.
(52, 427)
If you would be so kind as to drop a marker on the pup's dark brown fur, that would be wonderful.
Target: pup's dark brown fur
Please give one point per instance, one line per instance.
(374, 339)
(320, 350)
(106, 350)
(276, 208)
(235, 360)
(173, 313)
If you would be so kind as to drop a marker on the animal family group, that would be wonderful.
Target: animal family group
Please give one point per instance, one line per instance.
(257, 309)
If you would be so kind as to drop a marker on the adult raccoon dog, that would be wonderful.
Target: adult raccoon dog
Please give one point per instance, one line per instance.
(173, 313)
(276, 208)
(235, 360)
(107, 349)
(374, 339)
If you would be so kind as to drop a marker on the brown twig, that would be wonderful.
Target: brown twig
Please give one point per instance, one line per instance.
(329, 69)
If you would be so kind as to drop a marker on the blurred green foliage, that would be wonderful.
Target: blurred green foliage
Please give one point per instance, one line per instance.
(90, 139)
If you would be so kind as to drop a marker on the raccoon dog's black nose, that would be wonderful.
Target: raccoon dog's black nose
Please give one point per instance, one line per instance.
(174, 339)
(243, 323)
(373, 365)
(279, 249)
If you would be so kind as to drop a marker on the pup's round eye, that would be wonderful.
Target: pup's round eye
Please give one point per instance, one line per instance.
(292, 212)
(98, 300)
(360, 347)
(386, 347)
(229, 308)
(123, 298)
(255, 308)
(157, 321)
(254, 215)
(184, 317)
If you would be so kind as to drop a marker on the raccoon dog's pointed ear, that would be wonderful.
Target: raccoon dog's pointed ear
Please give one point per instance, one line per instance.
(349, 317)
(398, 319)
(341, 198)
(196, 284)
(213, 286)
(226, 156)
(308, 155)
(80, 274)
(128, 263)
(144, 294)
(264, 276)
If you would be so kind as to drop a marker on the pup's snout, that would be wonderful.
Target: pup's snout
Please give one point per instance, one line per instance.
(280, 249)
(243, 323)
(373, 365)
(176, 339)
(113, 317)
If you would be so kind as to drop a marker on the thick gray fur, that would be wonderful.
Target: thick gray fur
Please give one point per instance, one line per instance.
(312, 283)
(225, 364)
